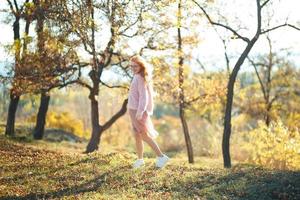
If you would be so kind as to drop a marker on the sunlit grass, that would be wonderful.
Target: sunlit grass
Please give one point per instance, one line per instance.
(40, 170)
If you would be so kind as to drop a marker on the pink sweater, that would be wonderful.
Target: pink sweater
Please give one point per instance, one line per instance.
(140, 95)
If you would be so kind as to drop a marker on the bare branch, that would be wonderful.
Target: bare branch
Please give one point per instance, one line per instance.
(22, 7)
(293, 26)
(62, 85)
(273, 28)
(11, 7)
(188, 103)
(84, 42)
(114, 86)
(265, 3)
(221, 25)
(130, 36)
(259, 78)
(201, 64)
(279, 26)
(80, 82)
(274, 99)
(225, 50)
(115, 117)
(16, 5)
(130, 25)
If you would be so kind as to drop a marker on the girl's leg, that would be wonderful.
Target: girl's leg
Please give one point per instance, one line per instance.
(139, 145)
(152, 144)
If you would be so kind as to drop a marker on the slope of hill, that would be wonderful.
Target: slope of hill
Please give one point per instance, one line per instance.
(32, 171)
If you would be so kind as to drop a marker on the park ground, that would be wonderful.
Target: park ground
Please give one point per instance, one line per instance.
(59, 170)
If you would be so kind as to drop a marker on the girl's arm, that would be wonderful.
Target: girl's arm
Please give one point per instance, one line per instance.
(143, 97)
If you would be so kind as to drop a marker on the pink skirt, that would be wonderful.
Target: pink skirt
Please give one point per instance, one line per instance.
(144, 125)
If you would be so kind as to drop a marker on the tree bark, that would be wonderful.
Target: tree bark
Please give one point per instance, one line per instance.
(268, 117)
(230, 93)
(44, 102)
(230, 90)
(186, 136)
(269, 84)
(94, 92)
(12, 109)
(14, 97)
(97, 129)
(38, 133)
(181, 92)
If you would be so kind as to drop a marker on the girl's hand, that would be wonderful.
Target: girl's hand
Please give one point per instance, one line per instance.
(139, 116)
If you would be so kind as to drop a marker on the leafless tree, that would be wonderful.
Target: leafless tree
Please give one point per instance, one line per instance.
(232, 78)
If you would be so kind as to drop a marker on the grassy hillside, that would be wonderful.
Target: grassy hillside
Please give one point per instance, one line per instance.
(40, 170)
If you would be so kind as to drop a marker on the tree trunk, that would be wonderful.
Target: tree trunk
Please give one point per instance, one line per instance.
(181, 92)
(12, 109)
(44, 102)
(94, 142)
(14, 97)
(41, 117)
(95, 76)
(96, 129)
(229, 101)
(227, 123)
(269, 83)
(187, 136)
(268, 113)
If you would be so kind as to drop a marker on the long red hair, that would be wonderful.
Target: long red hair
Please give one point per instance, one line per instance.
(143, 65)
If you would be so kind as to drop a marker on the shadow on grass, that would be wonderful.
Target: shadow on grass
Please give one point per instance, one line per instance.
(88, 186)
(247, 183)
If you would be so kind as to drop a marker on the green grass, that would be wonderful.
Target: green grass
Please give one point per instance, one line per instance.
(41, 170)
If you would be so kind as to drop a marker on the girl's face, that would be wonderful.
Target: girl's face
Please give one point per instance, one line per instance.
(136, 68)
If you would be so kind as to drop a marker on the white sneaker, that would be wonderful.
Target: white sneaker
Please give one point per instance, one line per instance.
(161, 161)
(138, 163)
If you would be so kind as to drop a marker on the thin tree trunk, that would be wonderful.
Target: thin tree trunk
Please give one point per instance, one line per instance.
(186, 136)
(228, 109)
(38, 133)
(269, 84)
(181, 92)
(230, 90)
(12, 109)
(268, 114)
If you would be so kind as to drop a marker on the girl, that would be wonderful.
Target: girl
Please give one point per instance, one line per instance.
(140, 107)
